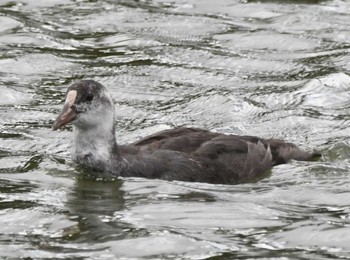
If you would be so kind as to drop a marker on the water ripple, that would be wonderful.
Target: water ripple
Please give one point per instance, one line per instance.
(267, 68)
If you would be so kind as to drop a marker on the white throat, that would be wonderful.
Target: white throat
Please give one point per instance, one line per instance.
(94, 145)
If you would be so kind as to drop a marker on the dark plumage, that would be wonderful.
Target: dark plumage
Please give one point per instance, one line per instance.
(184, 154)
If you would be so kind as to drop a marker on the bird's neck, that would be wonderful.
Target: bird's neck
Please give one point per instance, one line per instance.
(95, 147)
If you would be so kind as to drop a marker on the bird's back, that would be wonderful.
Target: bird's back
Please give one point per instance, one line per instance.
(246, 156)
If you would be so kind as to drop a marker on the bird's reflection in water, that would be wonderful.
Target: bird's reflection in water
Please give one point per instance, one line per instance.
(93, 205)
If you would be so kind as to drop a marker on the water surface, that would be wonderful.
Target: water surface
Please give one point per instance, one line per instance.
(268, 68)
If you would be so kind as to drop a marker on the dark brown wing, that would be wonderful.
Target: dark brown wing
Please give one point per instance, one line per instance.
(186, 140)
(247, 156)
(189, 140)
(250, 156)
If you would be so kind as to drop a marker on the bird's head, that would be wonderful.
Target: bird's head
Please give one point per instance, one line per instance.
(88, 104)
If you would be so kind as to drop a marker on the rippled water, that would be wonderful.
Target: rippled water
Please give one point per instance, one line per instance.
(268, 68)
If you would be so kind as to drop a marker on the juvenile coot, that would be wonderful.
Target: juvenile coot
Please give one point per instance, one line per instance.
(183, 154)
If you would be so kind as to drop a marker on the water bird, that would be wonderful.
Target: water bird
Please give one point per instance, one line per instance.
(182, 154)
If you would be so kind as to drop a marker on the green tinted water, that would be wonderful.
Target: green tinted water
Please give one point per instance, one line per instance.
(268, 68)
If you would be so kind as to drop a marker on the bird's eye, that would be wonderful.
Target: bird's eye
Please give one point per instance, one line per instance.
(89, 97)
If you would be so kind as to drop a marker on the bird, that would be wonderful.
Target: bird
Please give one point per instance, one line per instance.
(186, 154)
